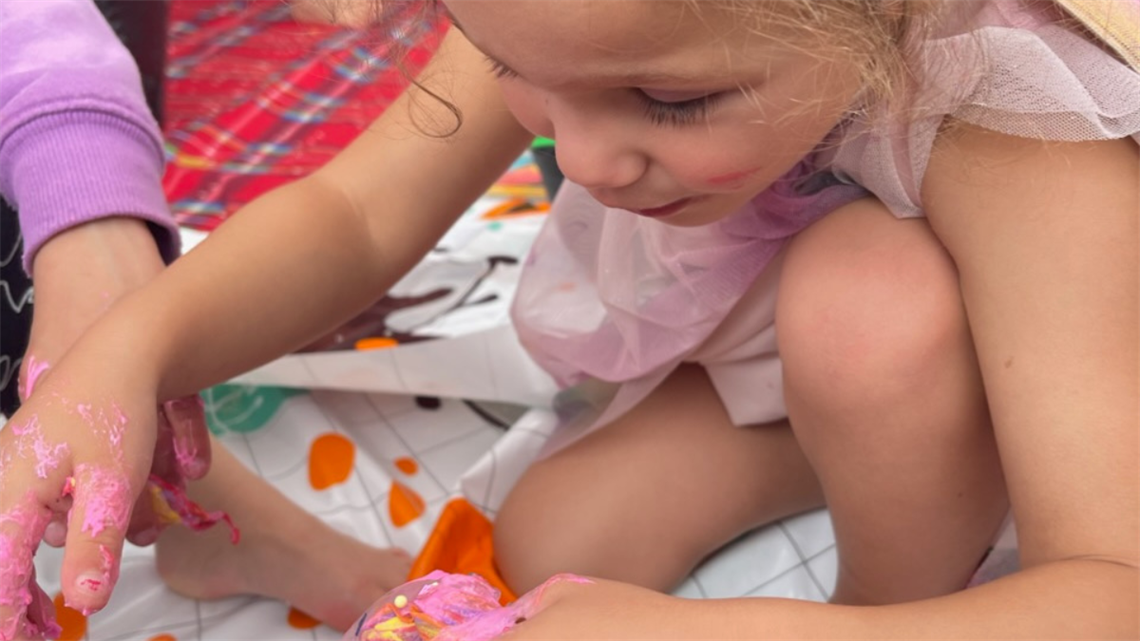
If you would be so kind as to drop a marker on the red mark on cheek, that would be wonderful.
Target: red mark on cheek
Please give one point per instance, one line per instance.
(732, 177)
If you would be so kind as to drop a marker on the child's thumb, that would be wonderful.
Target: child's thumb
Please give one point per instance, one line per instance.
(98, 524)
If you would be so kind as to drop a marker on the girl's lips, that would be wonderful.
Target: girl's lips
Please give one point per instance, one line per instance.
(664, 210)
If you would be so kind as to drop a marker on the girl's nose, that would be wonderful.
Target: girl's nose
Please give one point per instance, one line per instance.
(597, 154)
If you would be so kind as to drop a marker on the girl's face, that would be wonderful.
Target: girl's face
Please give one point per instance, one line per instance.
(659, 108)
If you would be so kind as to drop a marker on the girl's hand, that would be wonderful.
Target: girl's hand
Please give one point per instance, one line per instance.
(608, 610)
(79, 275)
(76, 448)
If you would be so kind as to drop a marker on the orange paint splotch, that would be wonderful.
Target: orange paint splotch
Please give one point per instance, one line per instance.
(515, 207)
(331, 457)
(163, 637)
(72, 622)
(301, 621)
(378, 342)
(404, 505)
(407, 465)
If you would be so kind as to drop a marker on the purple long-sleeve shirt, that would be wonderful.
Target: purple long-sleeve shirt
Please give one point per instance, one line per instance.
(77, 142)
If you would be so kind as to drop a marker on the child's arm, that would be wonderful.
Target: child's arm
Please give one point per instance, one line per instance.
(1045, 237)
(303, 259)
(288, 267)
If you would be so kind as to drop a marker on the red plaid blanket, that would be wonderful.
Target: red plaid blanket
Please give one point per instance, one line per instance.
(255, 99)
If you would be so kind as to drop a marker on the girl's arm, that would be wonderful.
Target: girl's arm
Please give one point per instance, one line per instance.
(77, 142)
(287, 268)
(1045, 239)
(303, 259)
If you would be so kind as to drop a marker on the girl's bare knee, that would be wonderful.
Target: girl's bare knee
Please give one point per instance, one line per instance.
(870, 322)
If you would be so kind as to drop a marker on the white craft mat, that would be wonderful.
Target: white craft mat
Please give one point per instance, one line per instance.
(273, 432)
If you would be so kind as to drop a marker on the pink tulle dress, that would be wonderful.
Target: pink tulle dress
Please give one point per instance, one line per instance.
(611, 302)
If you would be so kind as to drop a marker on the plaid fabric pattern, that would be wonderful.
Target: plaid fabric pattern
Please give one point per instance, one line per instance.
(255, 99)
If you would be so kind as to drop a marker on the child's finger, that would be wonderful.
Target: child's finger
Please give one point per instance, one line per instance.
(145, 524)
(23, 517)
(191, 436)
(55, 534)
(103, 497)
(40, 615)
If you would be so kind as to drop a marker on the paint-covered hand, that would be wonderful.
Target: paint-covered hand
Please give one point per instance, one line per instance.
(79, 275)
(606, 609)
(81, 449)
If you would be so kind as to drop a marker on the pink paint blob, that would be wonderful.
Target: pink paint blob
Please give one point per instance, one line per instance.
(36, 369)
(47, 456)
(104, 499)
(180, 413)
(30, 426)
(448, 607)
(18, 590)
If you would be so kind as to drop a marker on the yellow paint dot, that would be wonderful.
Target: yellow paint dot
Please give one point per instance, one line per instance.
(72, 622)
(331, 457)
(400, 601)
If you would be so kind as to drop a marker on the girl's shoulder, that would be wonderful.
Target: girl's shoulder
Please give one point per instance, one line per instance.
(1047, 70)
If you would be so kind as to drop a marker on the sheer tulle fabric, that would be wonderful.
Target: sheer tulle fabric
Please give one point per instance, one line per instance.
(610, 296)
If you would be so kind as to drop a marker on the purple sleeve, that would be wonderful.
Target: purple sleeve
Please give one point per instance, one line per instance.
(77, 142)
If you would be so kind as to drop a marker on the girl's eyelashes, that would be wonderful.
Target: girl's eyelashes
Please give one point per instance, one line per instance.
(501, 70)
(673, 113)
(677, 113)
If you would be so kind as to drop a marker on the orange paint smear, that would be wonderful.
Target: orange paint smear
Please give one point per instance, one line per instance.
(72, 622)
(513, 208)
(407, 465)
(376, 342)
(462, 543)
(331, 458)
(404, 505)
(163, 637)
(301, 621)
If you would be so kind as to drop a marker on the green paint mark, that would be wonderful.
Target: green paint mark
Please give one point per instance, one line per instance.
(495, 226)
(243, 408)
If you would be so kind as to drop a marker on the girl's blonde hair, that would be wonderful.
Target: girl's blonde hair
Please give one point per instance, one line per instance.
(881, 37)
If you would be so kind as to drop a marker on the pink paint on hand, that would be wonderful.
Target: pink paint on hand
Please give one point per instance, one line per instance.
(186, 449)
(47, 456)
(96, 582)
(117, 426)
(104, 498)
(18, 590)
(32, 441)
(36, 369)
(173, 507)
(448, 607)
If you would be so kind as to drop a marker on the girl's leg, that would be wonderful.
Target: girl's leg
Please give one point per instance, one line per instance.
(885, 397)
(285, 552)
(645, 499)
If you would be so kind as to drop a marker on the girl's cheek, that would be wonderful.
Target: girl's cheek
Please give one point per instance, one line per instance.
(529, 109)
(731, 179)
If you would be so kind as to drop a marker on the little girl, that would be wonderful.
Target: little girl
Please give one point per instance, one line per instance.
(935, 202)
